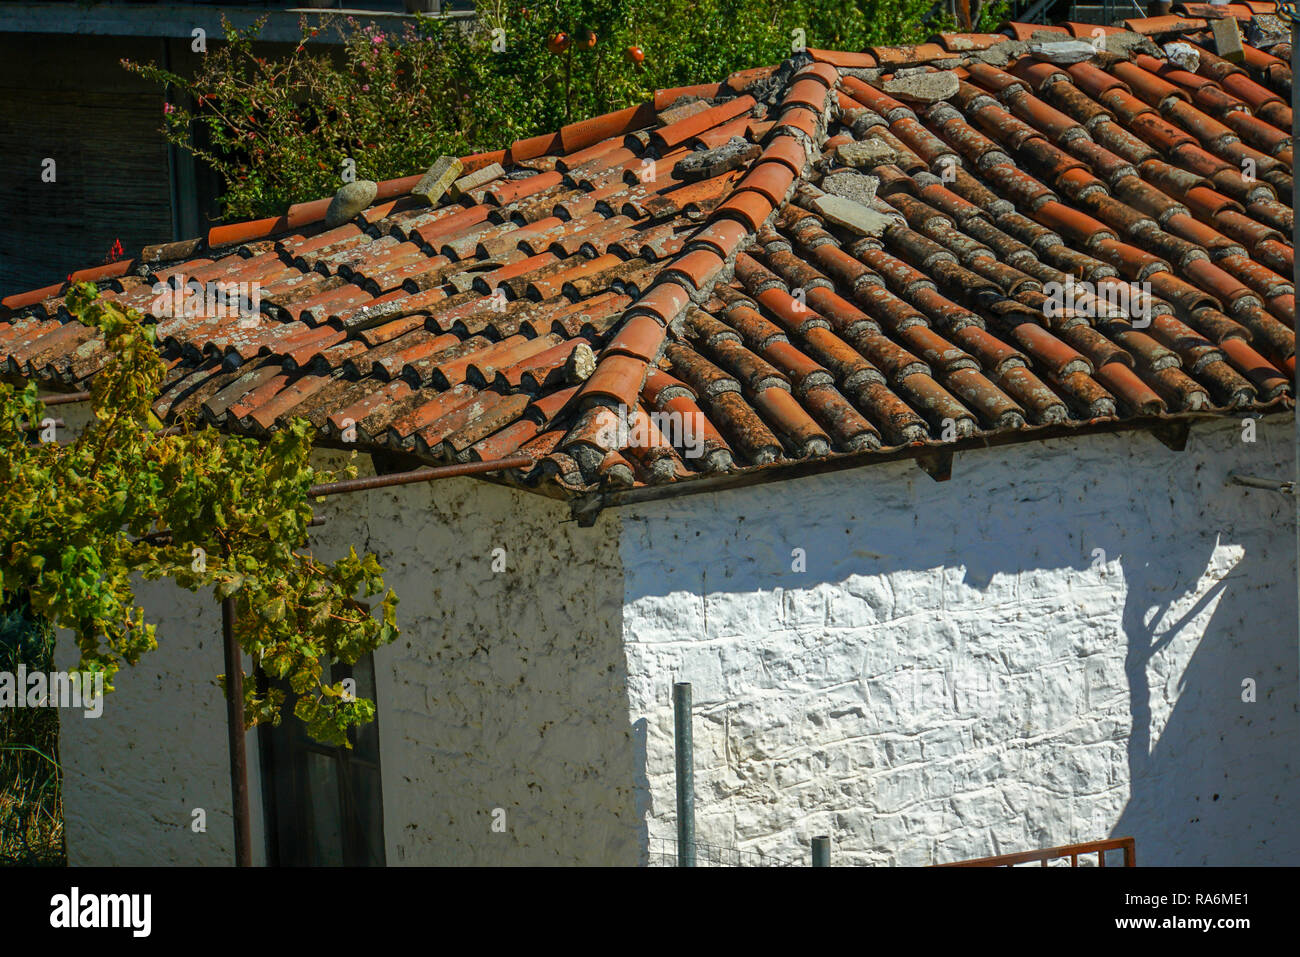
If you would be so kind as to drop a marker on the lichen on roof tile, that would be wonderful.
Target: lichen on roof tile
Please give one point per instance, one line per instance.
(1054, 246)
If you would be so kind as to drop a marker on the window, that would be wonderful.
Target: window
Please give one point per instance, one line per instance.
(323, 805)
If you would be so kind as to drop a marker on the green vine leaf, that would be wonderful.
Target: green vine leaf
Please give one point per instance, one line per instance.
(83, 519)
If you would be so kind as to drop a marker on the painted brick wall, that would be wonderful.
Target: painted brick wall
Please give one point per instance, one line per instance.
(958, 672)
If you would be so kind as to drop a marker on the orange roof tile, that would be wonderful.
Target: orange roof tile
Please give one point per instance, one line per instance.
(601, 275)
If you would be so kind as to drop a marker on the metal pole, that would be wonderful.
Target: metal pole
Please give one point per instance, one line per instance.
(64, 398)
(685, 774)
(427, 474)
(821, 851)
(1272, 485)
(1295, 240)
(235, 726)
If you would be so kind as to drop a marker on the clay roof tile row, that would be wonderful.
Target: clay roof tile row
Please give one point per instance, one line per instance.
(601, 306)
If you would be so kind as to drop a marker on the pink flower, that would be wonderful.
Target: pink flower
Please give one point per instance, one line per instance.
(168, 108)
(365, 88)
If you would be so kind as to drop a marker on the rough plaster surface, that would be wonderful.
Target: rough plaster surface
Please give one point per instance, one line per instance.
(506, 689)
(957, 673)
(134, 776)
(954, 673)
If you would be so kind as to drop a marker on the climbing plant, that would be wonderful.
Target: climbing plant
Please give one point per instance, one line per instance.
(128, 499)
(282, 128)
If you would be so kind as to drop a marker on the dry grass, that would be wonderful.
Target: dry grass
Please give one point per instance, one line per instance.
(31, 802)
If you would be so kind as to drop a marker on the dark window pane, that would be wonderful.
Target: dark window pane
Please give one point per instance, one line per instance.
(324, 804)
(326, 814)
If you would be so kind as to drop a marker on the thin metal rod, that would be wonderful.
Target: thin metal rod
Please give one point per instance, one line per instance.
(685, 774)
(427, 474)
(1272, 485)
(63, 398)
(821, 851)
(235, 727)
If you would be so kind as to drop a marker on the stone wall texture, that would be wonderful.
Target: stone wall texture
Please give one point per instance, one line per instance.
(1051, 647)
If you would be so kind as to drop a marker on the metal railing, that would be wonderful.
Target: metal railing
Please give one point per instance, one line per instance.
(1072, 852)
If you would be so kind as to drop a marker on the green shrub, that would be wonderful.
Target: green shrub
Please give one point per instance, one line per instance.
(279, 131)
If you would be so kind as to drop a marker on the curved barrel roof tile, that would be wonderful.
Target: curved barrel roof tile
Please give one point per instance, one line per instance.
(845, 258)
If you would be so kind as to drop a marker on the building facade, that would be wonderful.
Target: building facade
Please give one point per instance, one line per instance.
(1060, 643)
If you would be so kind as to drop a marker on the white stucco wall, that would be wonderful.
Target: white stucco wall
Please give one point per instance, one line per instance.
(956, 674)
(507, 688)
(134, 776)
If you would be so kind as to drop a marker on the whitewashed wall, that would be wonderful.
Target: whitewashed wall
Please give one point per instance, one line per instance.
(134, 776)
(506, 689)
(956, 673)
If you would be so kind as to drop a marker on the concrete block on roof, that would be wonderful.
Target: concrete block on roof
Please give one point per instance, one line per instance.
(923, 87)
(1000, 54)
(1265, 30)
(1183, 55)
(733, 154)
(349, 201)
(851, 215)
(1127, 45)
(1227, 39)
(1062, 53)
(858, 187)
(581, 364)
(438, 179)
(866, 154)
(472, 181)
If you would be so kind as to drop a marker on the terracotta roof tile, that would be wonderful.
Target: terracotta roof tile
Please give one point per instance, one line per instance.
(536, 309)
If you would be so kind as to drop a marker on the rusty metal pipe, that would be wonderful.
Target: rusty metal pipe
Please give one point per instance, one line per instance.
(64, 398)
(1286, 486)
(236, 731)
(164, 535)
(33, 427)
(427, 474)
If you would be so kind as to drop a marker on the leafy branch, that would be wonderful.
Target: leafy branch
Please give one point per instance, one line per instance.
(82, 519)
(277, 130)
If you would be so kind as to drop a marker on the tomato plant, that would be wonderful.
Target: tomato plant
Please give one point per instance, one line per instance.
(278, 130)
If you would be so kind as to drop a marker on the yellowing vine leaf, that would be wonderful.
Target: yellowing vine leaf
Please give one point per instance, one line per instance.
(80, 522)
